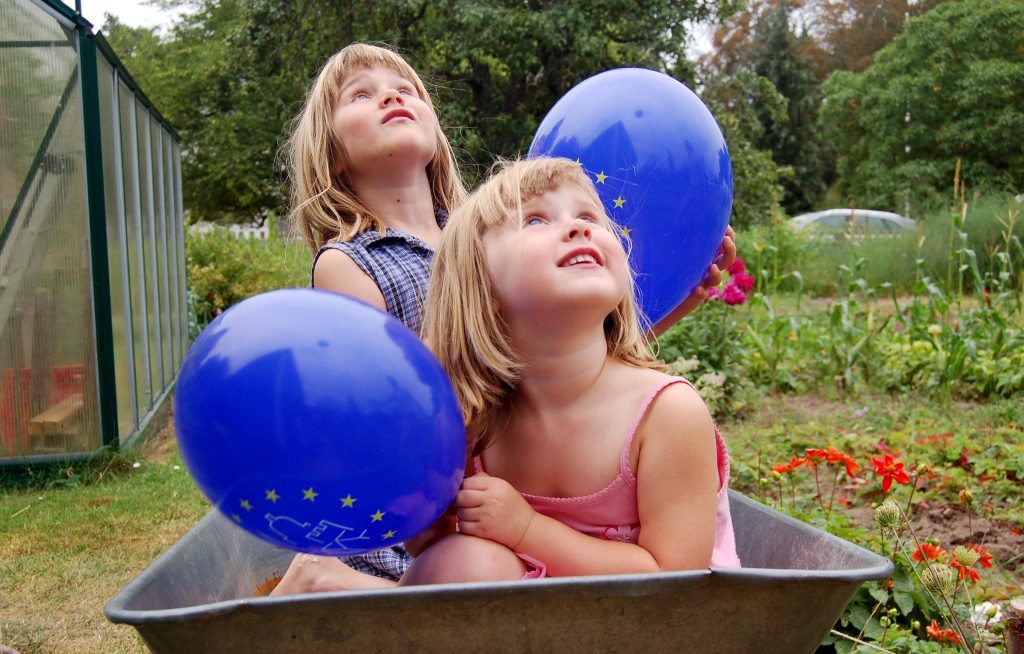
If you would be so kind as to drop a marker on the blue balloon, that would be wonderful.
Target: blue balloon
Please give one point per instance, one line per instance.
(319, 423)
(661, 167)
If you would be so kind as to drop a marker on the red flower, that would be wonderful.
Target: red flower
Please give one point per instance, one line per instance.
(814, 455)
(939, 634)
(713, 294)
(965, 571)
(890, 470)
(927, 551)
(985, 557)
(733, 295)
(783, 468)
(738, 267)
(851, 466)
(744, 281)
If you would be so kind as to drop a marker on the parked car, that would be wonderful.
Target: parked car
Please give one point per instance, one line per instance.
(853, 222)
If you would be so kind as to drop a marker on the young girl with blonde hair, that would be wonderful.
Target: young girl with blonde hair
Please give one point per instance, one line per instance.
(588, 459)
(373, 180)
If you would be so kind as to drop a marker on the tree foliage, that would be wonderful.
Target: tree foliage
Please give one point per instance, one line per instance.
(949, 89)
(233, 73)
(762, 42)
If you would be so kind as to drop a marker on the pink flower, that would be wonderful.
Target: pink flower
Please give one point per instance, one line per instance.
(744, 281)
(738, 267)
(713, 294)
(733, 295)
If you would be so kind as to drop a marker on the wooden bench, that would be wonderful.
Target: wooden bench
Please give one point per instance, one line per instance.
(58, 419)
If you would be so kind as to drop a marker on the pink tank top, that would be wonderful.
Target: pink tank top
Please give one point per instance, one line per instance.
(612, 513)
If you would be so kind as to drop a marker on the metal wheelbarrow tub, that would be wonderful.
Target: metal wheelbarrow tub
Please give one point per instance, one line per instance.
(796, 580)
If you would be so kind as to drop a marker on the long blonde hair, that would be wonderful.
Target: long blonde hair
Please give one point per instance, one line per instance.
(322, 204)
(462, 324)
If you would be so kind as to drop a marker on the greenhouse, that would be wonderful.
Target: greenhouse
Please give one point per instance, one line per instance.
(92, 276)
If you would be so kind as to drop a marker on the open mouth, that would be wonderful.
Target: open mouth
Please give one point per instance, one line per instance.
(580, 257)
(397, 113)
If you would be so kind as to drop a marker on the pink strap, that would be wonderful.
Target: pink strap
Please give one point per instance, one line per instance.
(722, 453)
(624, 457)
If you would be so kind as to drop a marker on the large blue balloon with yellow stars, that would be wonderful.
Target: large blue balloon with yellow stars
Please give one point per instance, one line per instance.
(661, 166)
(319, 423)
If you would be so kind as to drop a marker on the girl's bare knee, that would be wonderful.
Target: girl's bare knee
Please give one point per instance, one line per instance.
(459, 558)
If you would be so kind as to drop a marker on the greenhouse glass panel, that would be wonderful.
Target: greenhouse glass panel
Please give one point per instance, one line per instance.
(186, 338)
(116, 253)
(172, 252)
(156, 372)
(134, 247)
(160, 222)
(48, 400)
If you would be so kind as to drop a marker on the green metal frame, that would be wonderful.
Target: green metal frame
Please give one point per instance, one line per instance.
(103, 323)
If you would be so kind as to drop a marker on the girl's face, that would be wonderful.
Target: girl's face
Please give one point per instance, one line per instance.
(380, 120)
(563, 257)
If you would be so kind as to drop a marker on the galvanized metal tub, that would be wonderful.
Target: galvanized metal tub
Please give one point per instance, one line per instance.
(796, 580)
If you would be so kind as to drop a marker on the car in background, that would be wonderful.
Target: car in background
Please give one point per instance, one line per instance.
(853, 222)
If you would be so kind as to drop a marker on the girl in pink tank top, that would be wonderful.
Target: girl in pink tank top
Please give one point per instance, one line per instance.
(586, 458)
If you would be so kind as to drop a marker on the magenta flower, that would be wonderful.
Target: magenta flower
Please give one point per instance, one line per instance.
(733, 295)
(713, 294)
(744, 281)
(738, 267)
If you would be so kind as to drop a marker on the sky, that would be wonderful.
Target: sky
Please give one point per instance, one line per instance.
(129, 12)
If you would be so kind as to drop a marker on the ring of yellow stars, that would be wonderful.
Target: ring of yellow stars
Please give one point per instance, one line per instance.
(245, 505)
(309, 494)
(626, 231)
(236, 517)
(378, 516)
(348, 501)
(272, 495)
(389, 534)
(619, 201)
(601, 177)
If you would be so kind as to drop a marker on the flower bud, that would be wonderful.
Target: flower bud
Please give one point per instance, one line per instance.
(888, 517)
(915, 625)
(939, 579)
(965, 496)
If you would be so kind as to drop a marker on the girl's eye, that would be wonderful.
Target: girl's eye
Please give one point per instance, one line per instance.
(533, 220)
(406, 91)
(589, 218)
(360, 95)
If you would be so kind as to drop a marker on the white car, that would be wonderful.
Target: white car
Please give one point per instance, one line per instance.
(853, 222)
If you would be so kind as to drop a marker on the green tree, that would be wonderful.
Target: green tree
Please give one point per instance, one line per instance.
(950, 88)
(761, 41)
(232, 74)
(737, 102)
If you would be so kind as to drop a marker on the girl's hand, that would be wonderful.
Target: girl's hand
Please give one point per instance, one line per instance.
(489, 507)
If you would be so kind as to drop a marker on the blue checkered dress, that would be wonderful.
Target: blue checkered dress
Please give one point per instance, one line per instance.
(400, 266)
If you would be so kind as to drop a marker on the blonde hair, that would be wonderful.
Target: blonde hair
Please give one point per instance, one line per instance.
(322, 204)
(462, 324)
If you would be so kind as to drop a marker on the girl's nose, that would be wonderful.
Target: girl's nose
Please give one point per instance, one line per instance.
(392, 95)
(578, 228)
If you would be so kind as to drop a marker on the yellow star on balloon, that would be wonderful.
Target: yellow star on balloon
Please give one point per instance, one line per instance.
(601, 177)
(272, 495)
(245, 505)
(236, 517)
(389, 534)
(619, 201)
(378, 516)
(308, 494)
(348, 501)
(578, 162)
(626, 231)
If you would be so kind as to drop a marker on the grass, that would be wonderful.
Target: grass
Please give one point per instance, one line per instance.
(78, 536)
(73, 540)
